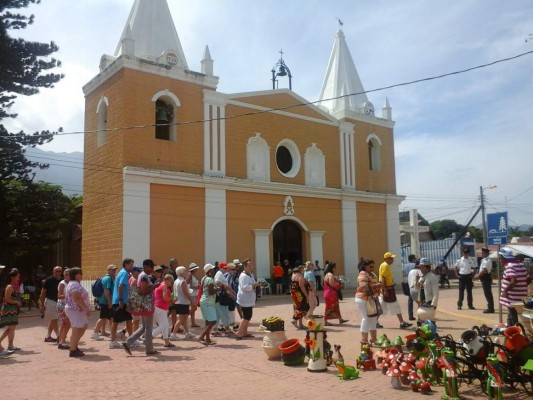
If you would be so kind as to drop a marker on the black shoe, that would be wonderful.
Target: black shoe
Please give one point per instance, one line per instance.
(378, 325)
(76, 353)
(471, 307)
(405, 325)
(459, 307)
(126, 348)
(488, 311)
(412, 319)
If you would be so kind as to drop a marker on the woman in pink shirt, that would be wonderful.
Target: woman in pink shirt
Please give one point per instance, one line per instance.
(163, 299)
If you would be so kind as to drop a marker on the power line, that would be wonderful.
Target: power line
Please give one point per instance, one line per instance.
(252, 113)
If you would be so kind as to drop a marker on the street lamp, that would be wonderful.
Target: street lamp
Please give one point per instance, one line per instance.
(481, 190)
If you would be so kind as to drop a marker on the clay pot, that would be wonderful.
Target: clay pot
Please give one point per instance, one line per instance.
(296, 357)
(516, 341)
(290, 346)
(271, 342)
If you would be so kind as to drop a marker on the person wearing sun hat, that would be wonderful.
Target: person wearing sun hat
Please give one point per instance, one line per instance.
(514, 284)
(207, 304)
(387, 280)
(428, 286)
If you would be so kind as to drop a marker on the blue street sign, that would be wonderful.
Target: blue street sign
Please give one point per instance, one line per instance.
(497, 225)
(496, 241)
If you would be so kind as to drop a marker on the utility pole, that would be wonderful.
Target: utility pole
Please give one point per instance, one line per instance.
(485, 241)
(482, 207)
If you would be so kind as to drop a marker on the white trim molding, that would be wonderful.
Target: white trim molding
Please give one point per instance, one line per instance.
(215, 224)
(350, 240)
(136, 219)
(262, 252)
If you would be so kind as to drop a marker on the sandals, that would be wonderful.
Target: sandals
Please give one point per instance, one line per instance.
(195, 326)
(294, 323)
(342, 321)
(238, 337)
(14, 348)
(170, 345)
(201, 341)
(249, 335)
(211, 343)
(152, 353)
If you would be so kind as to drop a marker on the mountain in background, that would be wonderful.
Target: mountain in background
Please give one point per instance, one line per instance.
(66, 169)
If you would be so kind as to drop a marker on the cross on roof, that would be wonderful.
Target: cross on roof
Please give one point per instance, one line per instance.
(414, 230)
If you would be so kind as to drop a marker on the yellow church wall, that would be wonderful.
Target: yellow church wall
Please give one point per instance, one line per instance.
(249, 211)
(283, 101)
(384, 180)
(273, 128)
(140, 146)
(372, 230)
(102, 191)
(177, 228)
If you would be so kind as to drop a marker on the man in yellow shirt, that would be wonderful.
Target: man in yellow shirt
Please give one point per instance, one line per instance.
(385, 277)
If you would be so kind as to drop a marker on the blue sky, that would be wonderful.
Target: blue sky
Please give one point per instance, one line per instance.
(452, 135)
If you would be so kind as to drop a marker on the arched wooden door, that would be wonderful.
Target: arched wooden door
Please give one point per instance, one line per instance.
(287, 242)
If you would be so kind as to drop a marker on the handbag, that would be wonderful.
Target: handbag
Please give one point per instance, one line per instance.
(339, 294)
(223, 298)
(139, 304)
(406, 289)
(389, 294)
(373, 308)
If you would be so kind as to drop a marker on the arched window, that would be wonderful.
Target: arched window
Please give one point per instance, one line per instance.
(374, 152)
(165, 115)
(257, 159)
(101, 112)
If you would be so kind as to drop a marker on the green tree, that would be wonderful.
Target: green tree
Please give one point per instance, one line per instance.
(445, 228)
(25, 67)
(37, 212)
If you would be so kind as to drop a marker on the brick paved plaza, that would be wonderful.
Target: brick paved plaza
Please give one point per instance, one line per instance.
(231, 369)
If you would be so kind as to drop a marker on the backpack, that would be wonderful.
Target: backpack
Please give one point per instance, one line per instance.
(97, 288)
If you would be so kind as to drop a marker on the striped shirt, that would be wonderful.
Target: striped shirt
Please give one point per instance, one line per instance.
(515, 294)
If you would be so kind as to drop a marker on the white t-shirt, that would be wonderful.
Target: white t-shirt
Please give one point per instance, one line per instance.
(411, 278)
(179, 296)
(465, 266)
(486, 264)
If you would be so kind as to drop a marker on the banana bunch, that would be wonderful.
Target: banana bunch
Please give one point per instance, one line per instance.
(272, 320)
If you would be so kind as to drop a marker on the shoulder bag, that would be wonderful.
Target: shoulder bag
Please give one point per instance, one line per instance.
(200, 291)
(373, 308)
(389, 294)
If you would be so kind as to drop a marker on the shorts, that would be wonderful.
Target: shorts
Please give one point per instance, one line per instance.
(209, 312)
(106, 312)
(182, 309)
(247, 313)
(390, 308)
(173, 308)
(78, 319)
(278, 281)
(50, 313)
(120, 314)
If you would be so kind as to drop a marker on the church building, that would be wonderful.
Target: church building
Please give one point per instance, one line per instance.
(176, 169)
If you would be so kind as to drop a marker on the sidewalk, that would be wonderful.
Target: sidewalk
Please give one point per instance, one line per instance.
(228, 370)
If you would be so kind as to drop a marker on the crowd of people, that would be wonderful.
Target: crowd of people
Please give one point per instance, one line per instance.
(152, 300)
(149, 301)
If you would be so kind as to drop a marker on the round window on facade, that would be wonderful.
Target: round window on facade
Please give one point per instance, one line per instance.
(288, 158)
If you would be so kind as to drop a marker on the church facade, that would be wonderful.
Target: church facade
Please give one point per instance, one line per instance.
(176, 169)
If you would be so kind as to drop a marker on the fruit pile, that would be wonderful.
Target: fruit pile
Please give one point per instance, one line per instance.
(274, 324)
